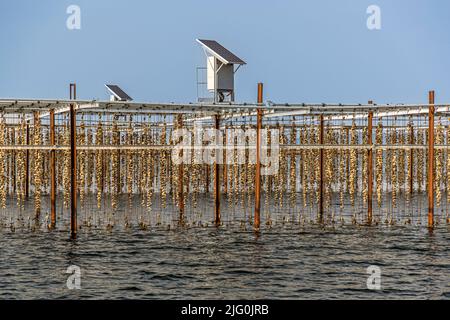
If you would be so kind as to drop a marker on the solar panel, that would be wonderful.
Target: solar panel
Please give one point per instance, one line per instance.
(118, 93)
(220, 52)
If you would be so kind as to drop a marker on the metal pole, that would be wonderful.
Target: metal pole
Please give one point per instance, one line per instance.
(431, 160)
(52, 170)
(217, 177)
(73, 165)
(369, 169)
(257, 222)
(321, 170)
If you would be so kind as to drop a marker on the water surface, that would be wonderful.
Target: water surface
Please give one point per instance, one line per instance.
(287, 261)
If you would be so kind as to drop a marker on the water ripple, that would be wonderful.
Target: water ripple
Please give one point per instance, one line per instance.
(204, 263)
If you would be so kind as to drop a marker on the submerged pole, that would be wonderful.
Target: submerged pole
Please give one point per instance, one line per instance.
(257, 218)
(431, 159)
(52, 171)
(73, 164)
(369, 168)
(217, 176)
(321, 169)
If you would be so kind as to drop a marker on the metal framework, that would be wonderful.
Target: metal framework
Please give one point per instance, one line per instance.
(328, 152)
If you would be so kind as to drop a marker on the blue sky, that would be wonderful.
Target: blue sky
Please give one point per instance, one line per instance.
(303, 51)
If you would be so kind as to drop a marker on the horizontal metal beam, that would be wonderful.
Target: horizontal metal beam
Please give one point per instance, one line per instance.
(225, 147)
(30, 105)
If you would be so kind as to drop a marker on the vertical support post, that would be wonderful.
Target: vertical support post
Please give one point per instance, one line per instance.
(321, 165)
(73, 165)
(431, 159)
(259, 113)
(369, 167)
(217, 175)
(180, 177)
(216, 85)
(27, 163)
(52, 171)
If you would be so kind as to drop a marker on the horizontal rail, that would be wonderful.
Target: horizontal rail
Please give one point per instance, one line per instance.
(31, 105)
(225, 147)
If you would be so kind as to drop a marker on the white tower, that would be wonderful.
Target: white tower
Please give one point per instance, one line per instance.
(220, 70)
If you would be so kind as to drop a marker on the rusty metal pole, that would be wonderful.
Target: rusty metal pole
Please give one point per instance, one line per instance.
(321, 136)
(73, 165)
(369, 167)
(52, 171)
(217, 175)
(431, 159)
(259, 114)
(180, 177)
